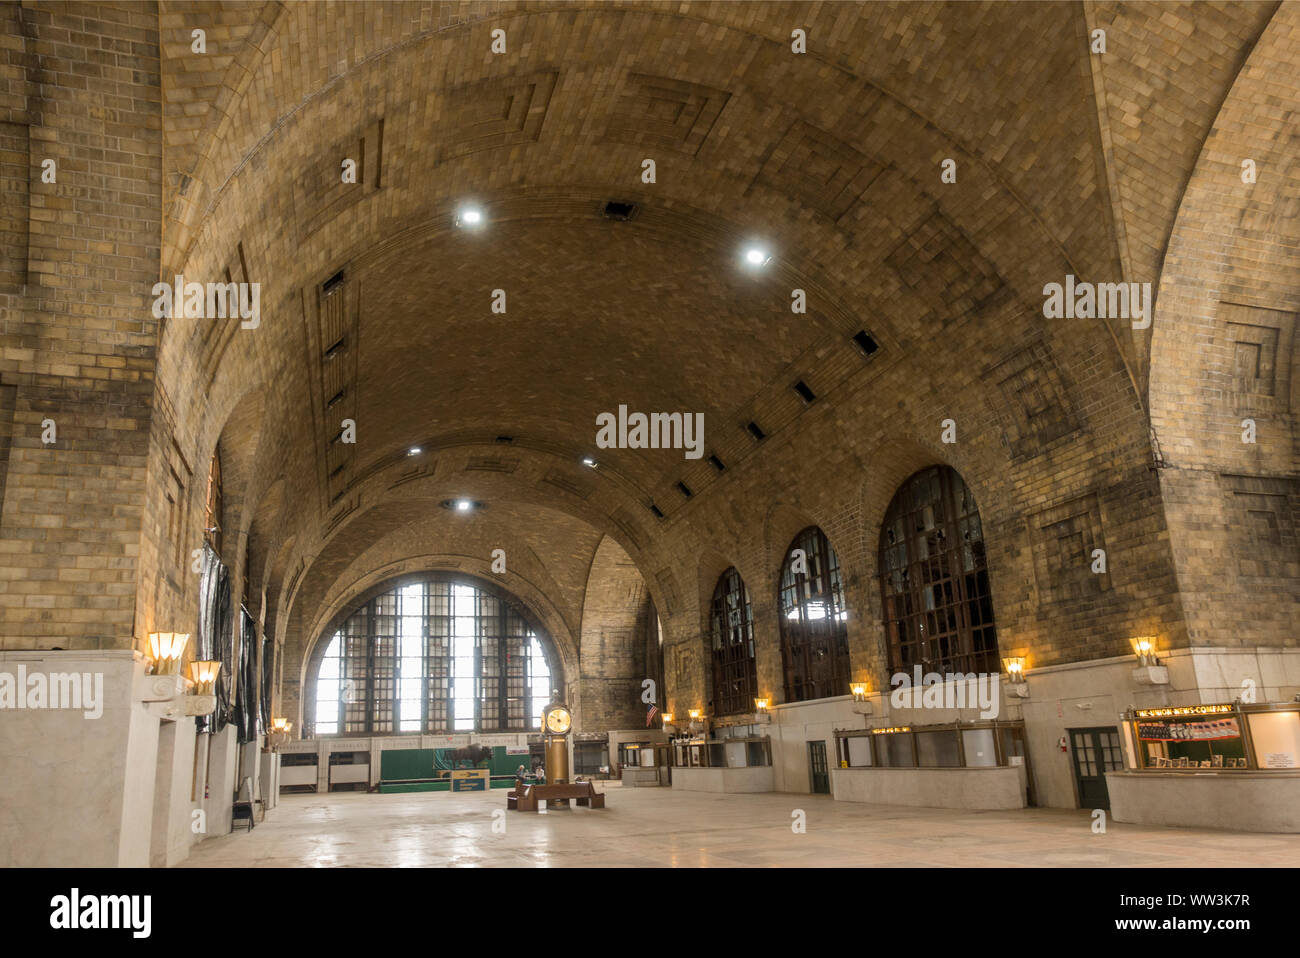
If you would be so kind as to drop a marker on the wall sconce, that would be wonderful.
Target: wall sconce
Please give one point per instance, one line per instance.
(668, 718)
(762, 711)
(1148, 671)
(165, 692)
(279, 726)
(1144, 647)
(1015, 666)
(694, 714)
(860, 704)
(166, 649)
(204, 676)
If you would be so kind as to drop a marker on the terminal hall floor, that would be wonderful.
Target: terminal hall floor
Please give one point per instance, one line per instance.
(665, 828)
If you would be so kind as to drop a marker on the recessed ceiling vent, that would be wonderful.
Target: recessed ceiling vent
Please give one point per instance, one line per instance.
(756, 431)
(331, 284)
(806, 394)
(619, 211)
(865, 342)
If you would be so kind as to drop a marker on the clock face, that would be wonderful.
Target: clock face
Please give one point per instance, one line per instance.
(557, 720)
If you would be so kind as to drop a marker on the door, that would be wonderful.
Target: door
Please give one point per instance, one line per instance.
(1096, 751)
(821, 779)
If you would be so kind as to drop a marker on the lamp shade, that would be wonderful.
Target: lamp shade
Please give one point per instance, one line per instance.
(166, 649)
(204, 675)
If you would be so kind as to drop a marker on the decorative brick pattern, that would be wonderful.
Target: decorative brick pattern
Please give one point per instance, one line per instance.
(1037, 409)
(661, 112)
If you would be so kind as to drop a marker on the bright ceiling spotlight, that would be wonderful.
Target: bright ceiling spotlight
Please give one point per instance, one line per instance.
(413, 451)
(589, 462)
(469, 216)
(463, 506)
(757, 256)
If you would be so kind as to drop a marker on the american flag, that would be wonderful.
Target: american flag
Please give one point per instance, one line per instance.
(650, 715)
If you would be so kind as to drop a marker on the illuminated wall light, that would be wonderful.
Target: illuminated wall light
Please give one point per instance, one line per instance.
(694, 714)
(204, 676)
(859, 690)
(762, 705)
(1015, 666)
(668, 718)
(891, 731)
(166, 649)
(1144, 647)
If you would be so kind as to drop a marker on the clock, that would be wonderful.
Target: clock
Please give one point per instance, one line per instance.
(558, 719)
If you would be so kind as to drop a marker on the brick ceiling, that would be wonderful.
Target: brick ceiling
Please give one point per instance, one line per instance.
(832, 158)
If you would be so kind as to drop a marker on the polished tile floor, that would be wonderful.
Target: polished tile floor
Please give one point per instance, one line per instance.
(662, 827)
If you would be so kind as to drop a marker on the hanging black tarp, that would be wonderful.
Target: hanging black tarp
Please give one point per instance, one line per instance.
(244, 707)
(215, 641)
(268, 660)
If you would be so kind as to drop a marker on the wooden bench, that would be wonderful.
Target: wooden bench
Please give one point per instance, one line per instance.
(527, 798)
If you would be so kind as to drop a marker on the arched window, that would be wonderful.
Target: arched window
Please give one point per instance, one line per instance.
(437, 655)
(734, 676)
(934, 580)
(213, 505)
(814, 634)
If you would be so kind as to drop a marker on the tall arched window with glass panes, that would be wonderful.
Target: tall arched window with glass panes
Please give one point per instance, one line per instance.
(732, 638)
(814, 629)
(435, 655)
(934, 578)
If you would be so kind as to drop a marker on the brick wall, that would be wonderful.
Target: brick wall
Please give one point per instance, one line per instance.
(80, 86)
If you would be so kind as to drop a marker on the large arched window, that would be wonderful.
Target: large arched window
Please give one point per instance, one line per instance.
(934, 579)
(814, 634)
(734, 676)
(436, 655)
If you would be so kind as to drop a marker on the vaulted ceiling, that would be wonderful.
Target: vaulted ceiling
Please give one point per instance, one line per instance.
(376, 307)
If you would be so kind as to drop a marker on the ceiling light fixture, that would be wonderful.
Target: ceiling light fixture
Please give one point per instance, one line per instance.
(757, 257)
(464, 506)
(469, 216)
(589, 462)
(413, 451)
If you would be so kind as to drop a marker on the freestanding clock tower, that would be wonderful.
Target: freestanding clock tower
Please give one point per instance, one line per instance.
(557, 722)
